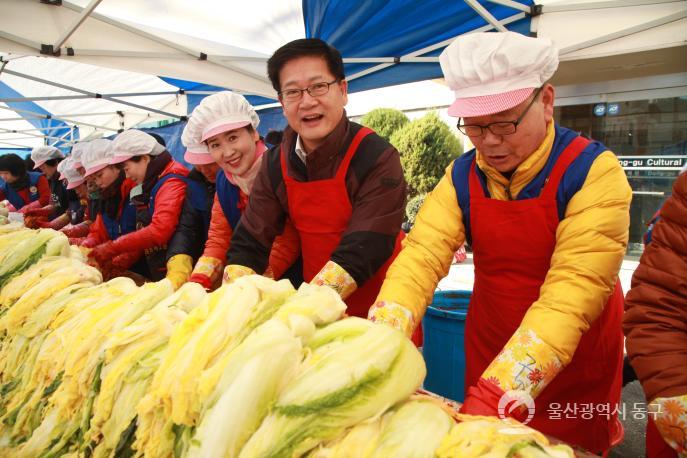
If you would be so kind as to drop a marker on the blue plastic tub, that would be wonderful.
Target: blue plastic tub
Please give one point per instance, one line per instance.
(443, 347)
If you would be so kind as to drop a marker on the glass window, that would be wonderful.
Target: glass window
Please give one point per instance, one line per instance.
(641, 133)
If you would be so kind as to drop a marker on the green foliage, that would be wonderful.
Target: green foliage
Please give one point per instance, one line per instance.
(413, 207)
(427, 147)
(385, 121)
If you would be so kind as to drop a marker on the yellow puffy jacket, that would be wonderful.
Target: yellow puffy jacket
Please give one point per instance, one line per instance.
(590, 245)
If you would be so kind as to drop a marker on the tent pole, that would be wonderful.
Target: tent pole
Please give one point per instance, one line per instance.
(76, 97)
(433, 47)
(8, 131)
(82, 17)
(171, 44)
(61, 137)
(576, 6)
(32, 137)
(59, 118)
(513, 4)
(92, 94)
(21, 131)
(486, 15)
(14, 144)
(162, 55)
(624, 32)
(20, 40)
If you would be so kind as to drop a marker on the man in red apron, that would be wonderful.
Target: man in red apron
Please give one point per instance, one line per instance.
(340, 183)
(546, 213)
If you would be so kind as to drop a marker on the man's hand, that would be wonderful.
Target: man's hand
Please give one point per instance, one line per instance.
(670, 417)
(394, 315)
(206, 272)
(234, 271)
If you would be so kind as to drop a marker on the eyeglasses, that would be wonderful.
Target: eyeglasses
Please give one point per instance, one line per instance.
(315, 90)
(496, 128)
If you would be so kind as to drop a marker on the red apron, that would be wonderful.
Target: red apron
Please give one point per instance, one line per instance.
(320, 211)
(656, 447)
(513, 242)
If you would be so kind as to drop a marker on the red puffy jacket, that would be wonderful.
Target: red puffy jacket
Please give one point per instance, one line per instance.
(168, 204)
(285, 249)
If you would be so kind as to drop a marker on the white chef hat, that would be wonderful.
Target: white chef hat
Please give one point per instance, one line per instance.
(97, 156)
(68, 172)
(41, 154)
(77, 151)
(132, 143)
(492, 72)
(219, 113)
(196, 151)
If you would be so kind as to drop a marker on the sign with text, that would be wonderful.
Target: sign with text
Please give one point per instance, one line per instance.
(652, 162)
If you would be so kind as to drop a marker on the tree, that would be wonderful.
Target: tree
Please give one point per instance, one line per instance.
(385, 121)
(427, 146)
(413, 207)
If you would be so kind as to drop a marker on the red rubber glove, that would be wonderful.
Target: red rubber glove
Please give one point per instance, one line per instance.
(59, 222)
(41, 211)
(89, 242)
(34, 222)
(103, 254)
(76, 230)
(483, 399)
(30, 206)
(76, 240)
(202, 279)
(43, 223)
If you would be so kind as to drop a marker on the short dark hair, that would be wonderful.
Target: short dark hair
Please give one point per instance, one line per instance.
(159, 138)
(138, 158)
(53, 162)
(300, 48)
(30, 165)
(274, 137)
(13, 164)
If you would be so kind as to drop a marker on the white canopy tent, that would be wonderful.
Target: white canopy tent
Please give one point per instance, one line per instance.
(96, 64)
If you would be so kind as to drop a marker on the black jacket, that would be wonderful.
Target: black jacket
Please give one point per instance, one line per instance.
(192, 231)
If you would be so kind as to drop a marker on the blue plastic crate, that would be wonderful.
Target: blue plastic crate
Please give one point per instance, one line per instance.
(443, 347)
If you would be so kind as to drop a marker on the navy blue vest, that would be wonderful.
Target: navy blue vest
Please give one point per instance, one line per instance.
(571, 182)
(229, 196)
(15, 199)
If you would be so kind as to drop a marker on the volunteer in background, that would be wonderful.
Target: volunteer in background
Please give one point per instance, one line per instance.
(226, 125)
(158, 205)
(46, 159)
(113, 213)
(187, 243)
(655, 324)
(79, 204)
(340, 183)
(20, 187)
(547, 215)
(75, 211)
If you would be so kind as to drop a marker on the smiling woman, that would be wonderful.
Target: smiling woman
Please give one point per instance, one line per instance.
(234, 150)
(222, 129)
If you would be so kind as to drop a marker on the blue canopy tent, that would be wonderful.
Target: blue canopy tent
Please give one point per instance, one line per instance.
(39, 118)
(383, 43)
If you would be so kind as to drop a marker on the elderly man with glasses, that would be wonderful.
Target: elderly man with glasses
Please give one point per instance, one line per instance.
(340, 183)
(547, 214)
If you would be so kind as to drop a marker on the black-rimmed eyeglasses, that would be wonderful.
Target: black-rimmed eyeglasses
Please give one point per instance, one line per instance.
(496, 128)
(315, 90)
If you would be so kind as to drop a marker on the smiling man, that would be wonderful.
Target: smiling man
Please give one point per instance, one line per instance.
(340, 183)
(547, 214)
